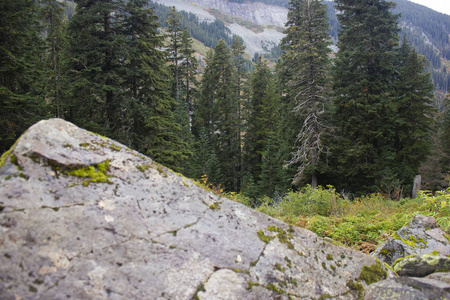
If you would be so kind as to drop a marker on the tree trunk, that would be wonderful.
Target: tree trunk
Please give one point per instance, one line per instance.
(417, 185)
(314, 181)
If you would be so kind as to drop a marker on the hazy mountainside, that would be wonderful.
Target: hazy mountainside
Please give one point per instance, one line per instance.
(428, 31)
(260, 25)
(254, 20)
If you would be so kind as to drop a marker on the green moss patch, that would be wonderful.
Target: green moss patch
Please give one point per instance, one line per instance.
(373, 273)
(274, 288)
(6, 155)
(265, 238)
(200, 288)
(279, 267)
(356, 286)
(252, 284)
(215, 206)
(143, 168)
(95, 173)
(288, 262)
(282, 236)
(115, 147)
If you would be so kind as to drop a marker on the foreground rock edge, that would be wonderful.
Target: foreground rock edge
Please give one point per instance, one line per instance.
(140, 230)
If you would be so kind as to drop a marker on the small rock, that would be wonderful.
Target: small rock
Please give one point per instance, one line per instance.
(442, 276)
(421, 265)
(421, 221)
(401, 288)
(420, 236)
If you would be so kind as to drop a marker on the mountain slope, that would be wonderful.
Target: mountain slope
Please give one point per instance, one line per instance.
(260, 22)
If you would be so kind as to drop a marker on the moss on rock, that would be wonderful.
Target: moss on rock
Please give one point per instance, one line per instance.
(373, 273)
(96, 173)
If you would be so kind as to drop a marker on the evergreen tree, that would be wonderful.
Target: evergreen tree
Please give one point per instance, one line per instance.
(237, 52)
(216, 112)
(272, 177)
(121, 80)
(174, 44)
(369, 83)
(20, 78)
(412, 114)
(154, 128)
(256, 131)
(308, 56)
(226, 138)
(189, 68)
(98, 46)
(205, 112)
(286, 67)
(51, 15)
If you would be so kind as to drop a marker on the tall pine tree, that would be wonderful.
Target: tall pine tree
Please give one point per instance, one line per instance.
(54, 26)
(20, 77)
(256, 134)
(307, 52)
(216, 112)
(174, 34)
(98, 45)
(412, 114)
(367, 114)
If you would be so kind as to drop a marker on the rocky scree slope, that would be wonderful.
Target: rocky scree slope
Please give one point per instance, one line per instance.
(85, 217)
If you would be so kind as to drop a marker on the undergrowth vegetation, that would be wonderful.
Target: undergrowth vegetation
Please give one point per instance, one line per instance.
(361, 223)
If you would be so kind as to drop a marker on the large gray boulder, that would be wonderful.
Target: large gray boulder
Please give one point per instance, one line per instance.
(420, 236)
(84, 217)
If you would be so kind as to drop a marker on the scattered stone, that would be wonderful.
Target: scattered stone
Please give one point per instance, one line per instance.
(421, 265)
(420, 236)
(442, 276)
(92, 219)
(401, 288)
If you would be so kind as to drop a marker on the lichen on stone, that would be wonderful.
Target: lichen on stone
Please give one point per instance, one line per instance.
(412, 241)
(431, 259)
(161, 171)
(398, 260)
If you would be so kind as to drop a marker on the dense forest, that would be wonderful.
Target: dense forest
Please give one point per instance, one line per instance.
(361, 120)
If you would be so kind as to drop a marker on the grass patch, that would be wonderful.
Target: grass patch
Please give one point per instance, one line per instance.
(362, 223)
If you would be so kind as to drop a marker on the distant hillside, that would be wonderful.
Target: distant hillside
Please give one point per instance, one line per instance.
(209, 33)
(427, 30)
